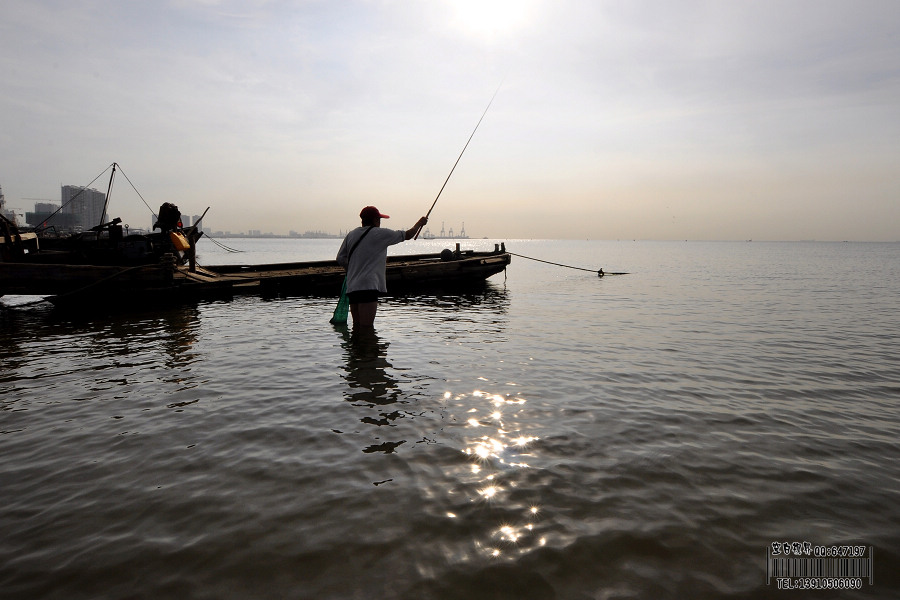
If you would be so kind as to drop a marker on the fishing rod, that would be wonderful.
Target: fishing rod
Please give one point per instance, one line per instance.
(459, 157)
(600, 273)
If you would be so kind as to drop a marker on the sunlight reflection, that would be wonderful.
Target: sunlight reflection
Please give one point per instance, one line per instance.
(507, 443)
(520, 536)
(523, 440)
(509, 533)
(497, 452)
(489, 492)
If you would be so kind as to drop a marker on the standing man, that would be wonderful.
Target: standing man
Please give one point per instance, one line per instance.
(364, 254)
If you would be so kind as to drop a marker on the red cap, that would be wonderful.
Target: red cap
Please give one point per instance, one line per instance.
(370, 212)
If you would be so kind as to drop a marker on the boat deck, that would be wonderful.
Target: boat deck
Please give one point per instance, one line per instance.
(403, 273)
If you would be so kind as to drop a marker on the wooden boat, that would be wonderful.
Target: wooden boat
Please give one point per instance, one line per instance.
(104, 244)
(168, 282)
(107, 267)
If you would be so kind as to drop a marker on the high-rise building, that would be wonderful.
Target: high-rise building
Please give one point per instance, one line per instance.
(85, 205)
(199, 225)
(41, 217)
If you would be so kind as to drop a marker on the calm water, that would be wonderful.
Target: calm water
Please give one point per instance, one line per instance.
(557, 436)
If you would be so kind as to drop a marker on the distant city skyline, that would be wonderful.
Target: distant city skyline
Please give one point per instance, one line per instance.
(614, 120)
(48, 212)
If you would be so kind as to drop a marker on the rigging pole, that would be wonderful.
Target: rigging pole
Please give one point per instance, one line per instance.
(108, 192)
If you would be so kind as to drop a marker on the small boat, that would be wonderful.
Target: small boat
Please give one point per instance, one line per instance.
(167, 281)
(106, 244)
(105, 266)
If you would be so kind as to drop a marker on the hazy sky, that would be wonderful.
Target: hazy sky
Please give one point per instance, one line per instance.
(764, 120)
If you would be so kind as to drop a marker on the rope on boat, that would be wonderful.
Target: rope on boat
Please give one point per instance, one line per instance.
(135, 189)
(600, 272)
(220, 244)
(72, 199)
(209, 237)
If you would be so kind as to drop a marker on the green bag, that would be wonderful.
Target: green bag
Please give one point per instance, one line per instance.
(343, 307)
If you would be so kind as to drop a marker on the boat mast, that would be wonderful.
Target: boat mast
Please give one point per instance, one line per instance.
(108, 192)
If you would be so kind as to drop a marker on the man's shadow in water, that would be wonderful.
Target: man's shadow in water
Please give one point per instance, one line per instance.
(369, 382)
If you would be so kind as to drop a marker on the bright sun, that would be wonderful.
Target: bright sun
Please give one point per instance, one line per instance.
(491, 18)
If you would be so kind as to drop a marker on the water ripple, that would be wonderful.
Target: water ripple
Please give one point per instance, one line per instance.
(553, 435)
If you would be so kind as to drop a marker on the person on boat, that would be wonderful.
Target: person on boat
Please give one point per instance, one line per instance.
(366, 272)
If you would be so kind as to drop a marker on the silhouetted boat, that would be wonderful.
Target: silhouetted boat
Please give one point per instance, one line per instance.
(107, 267)
(169, 282)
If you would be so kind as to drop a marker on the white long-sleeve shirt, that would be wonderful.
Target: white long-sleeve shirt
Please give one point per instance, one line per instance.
(366, 270)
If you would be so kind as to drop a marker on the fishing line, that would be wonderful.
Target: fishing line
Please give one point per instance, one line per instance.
(600, 272)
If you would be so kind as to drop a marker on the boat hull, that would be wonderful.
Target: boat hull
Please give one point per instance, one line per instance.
(59, 279)
(168, 282)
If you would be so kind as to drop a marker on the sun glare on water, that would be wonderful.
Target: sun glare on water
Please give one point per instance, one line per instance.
(491, 19)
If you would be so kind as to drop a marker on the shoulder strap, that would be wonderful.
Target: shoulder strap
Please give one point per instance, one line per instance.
(353, 247)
